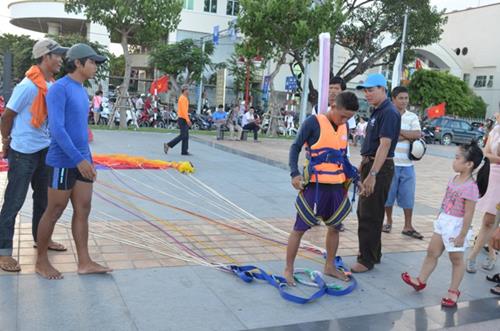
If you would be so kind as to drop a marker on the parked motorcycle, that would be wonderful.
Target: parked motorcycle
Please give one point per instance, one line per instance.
(199, 122)
(428, 135)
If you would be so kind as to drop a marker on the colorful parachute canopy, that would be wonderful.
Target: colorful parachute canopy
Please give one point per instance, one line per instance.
(123, 161)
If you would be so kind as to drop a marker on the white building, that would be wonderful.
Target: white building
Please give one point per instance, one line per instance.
(50, 17)
(469, 48)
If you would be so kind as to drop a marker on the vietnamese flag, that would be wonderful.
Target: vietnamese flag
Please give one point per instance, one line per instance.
(160, 85)
(437, 110)
(418, 64)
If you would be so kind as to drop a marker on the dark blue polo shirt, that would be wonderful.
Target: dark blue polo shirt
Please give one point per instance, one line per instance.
(385, 122)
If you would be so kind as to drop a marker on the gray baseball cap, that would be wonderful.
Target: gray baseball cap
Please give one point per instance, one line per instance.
(46, 46)
(80, 51)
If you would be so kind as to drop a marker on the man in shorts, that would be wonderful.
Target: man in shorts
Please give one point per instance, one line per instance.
(71, 172)
(327, 174)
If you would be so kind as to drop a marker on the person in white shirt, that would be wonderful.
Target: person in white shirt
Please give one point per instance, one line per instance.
(404, 180)
(139, 103)
(250, 122)
(360, 132)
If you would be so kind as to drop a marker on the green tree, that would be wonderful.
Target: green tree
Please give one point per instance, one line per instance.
(238, 63)
(69, 40)
(183, 61)
(370, 24)
(429, 87)
(116, 65)
(282, 29)
(21, 48)
(131, 22)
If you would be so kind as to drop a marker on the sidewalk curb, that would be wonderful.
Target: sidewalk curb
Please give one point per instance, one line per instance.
(247, 155)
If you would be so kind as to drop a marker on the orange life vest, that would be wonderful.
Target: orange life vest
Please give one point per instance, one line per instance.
(324, 158)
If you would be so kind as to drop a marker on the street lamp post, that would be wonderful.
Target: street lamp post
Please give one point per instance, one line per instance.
(200, 93)
(402, 51)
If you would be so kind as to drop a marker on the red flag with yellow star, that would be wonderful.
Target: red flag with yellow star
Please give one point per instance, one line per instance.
(159, 86)
(437, 110)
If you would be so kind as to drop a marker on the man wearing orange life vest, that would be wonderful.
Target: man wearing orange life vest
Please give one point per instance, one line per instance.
(327, 174)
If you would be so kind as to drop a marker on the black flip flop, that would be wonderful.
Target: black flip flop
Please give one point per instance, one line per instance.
(387, 228)
(61, 248)
(413, 234)
(495, 278)
(495, 290)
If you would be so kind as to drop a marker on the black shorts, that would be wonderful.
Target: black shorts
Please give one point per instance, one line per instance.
(65, 178)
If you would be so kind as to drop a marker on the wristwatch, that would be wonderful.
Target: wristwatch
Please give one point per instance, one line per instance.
(373, 173)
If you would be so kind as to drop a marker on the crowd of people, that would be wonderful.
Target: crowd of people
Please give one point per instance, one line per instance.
(44, 137)
(386, 176)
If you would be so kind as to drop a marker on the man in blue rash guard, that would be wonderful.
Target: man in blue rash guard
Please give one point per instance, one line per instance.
(71, 172)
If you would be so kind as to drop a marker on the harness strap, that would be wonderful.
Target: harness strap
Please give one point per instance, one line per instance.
(331, 288)
(248, 273)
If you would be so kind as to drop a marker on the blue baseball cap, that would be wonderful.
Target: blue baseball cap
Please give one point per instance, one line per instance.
(373, 80)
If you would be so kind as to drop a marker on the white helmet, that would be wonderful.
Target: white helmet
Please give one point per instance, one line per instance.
(417, 149)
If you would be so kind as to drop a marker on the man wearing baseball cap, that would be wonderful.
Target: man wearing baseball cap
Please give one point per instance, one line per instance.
(377, 169)
(71, 172)
(25, 142)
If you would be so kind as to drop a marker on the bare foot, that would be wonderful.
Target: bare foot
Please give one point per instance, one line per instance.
(289, 277)
(46, 270)
(8, 263)
(334, 272)
(92, 268)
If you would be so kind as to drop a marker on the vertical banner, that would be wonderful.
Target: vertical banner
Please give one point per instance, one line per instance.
(215, 37)
(324, 72)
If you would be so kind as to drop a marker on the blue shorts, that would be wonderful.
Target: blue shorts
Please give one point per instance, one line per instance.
(402, 188)
(65, 178)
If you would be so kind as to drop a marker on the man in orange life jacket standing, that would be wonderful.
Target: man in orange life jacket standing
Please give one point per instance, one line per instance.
(327, 174)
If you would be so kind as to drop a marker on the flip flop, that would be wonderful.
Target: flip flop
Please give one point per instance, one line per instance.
(413, 234)
(54, 247)
(4, 267)
(495, 290)
(495, 278)
(387, 228)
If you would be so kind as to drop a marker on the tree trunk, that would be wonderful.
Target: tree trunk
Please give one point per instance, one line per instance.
(124, 105)
(273, 104)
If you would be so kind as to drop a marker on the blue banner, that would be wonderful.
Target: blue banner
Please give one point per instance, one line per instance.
(216, 35)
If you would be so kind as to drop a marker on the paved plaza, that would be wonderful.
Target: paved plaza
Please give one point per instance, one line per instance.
(151, 289)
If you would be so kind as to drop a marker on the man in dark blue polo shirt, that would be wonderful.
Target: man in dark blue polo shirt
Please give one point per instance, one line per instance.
(377, 169)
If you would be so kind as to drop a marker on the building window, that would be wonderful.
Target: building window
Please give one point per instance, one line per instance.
(189, 4)
(233, 7)
(490, 82)
(480, 81)
(211, 6)
(467, 79)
